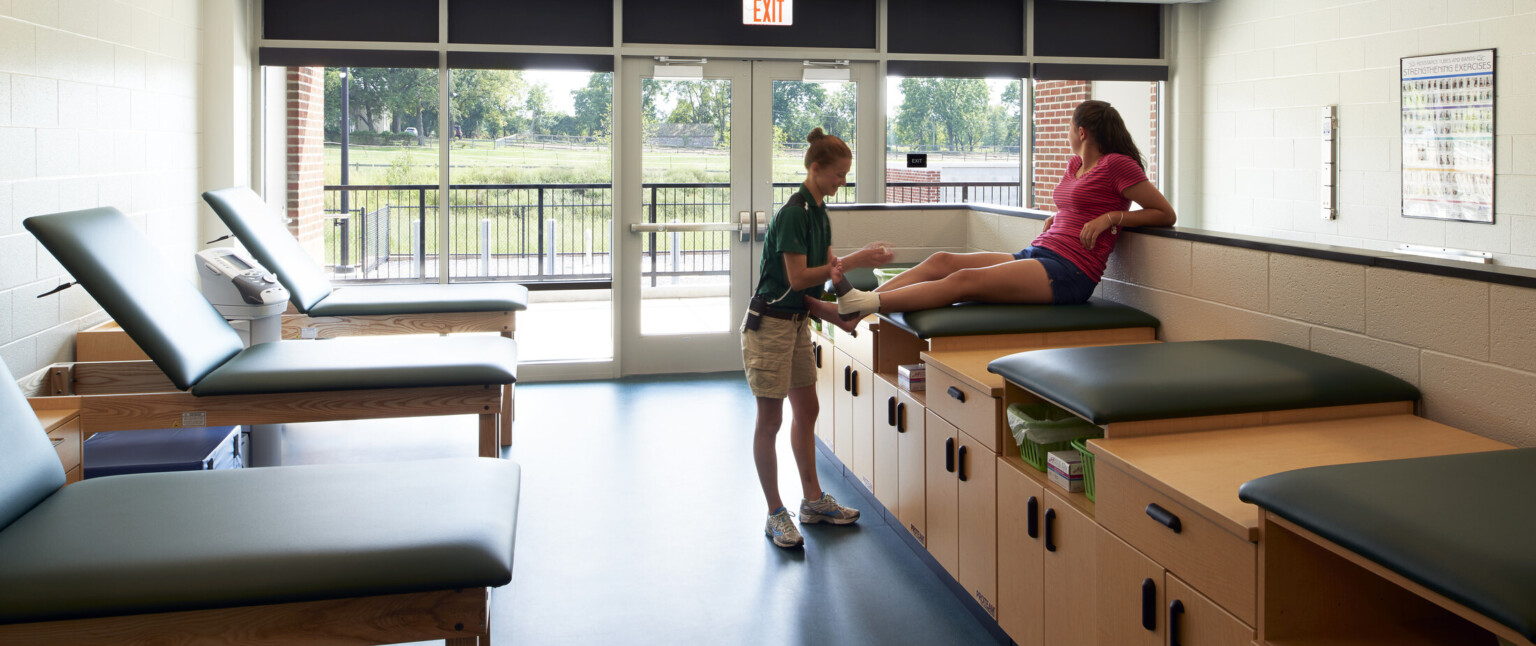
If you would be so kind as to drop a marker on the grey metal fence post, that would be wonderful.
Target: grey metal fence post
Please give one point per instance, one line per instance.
(549, 260)
(421, 235)
(485, 248)
(677, 244)
(418, 248)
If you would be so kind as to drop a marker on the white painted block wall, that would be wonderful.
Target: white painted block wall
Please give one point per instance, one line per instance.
(1266, 69)
(98, 107)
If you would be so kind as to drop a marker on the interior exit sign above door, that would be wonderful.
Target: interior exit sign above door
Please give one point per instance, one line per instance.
(767, 12)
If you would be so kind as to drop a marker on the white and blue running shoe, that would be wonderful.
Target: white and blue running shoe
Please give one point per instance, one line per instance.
(826, 510)
(781, 528)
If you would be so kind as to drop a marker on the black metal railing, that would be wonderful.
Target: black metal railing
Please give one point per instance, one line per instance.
(551, 233)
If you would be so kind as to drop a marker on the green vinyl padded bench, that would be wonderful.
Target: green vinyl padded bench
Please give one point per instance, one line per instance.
(269, 383)
(1459, 525)
(1159, 381)
(249, 218)
(355, 553)
(972, 319)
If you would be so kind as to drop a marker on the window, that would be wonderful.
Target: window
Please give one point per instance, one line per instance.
(969, 128)
(1138, 102)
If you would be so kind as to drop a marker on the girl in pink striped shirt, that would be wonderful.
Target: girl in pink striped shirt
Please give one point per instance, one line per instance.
(1064, 264)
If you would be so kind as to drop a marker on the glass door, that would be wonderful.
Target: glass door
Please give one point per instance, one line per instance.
(710, 151)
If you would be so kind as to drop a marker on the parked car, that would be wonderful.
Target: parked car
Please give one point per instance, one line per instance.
(411, 130)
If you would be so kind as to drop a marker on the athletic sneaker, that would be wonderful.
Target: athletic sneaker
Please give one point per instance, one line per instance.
(781, 528)
(826, 510)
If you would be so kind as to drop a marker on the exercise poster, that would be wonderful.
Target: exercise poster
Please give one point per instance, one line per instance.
(1448, 136)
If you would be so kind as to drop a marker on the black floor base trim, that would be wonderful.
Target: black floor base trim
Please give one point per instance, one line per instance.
(874, 507)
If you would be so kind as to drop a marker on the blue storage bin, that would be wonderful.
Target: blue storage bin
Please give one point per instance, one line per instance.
(165, 449)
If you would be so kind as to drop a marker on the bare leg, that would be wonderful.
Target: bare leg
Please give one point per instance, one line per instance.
(802, 438)
(770, 414)
(942, 264)
(827, 311)
(1017, 281)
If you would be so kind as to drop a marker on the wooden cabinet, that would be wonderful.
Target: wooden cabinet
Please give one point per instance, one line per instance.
(63, 428)
(886, 472)
(962, 508)
(1131, 594)
(853, 411)
(943, 491)
(1046, 550)
(911, 474)
(826, 385)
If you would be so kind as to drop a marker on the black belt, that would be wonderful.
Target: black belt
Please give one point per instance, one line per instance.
(788, 315)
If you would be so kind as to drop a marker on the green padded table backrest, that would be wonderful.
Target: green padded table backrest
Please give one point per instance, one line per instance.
(1460, 525)
(1128, 383)
(163, 313)
(967, 319)
(29, 468)
(253, 223)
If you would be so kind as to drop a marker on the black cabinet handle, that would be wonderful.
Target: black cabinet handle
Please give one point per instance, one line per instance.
(1165, 517)
(961, 461)
(901, 417)
(1033, 511)
(1175, 609)
(1050, 525)
(949, 455)
(1149, 605)
(855, 383)
(847, 378)
(816, 353)
(957, 394)
(890, 411)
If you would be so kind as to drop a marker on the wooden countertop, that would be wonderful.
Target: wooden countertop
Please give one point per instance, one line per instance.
(1204, 470)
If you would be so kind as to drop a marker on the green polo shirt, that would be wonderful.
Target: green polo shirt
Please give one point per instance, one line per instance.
(801, 226)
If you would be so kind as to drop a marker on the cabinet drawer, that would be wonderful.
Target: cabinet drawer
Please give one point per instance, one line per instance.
(1216, 562)
(977, 413)
(861, 347)
(1192, 619)
(66, 440)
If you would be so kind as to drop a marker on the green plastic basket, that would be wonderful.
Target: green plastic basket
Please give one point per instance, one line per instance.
(883, 274)
(1045, 416)
(1081, 444)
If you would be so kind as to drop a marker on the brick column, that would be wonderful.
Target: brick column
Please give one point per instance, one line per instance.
(306, 158)
(1054, 103)
(911, 194)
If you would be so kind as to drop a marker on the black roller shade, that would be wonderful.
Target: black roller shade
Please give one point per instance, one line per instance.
(299, 57)
(958, 69)
(390, 21)
(567, 23)
(1072, 72)
(1098, 29)
(499, 61)
(955, 27)
(825, 23)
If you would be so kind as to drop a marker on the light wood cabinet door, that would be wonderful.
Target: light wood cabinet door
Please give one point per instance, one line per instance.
(826, 384)
(1194, 620)
(1131, 595)
(842, 407)
(1020, 566)
(911, 474)
(887, 465)
(943, 492)
(976, 473)
(863, 402)
(1071, 541)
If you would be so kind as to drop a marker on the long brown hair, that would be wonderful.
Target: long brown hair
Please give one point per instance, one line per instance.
(824, 149)
(1103, 123)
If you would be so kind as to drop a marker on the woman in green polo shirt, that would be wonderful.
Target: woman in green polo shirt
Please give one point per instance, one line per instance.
(776, 337)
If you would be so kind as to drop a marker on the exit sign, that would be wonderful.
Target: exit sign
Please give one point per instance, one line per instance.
(767, 12)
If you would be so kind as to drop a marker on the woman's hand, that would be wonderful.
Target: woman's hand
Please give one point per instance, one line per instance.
(1048, 220)
(1094, 227)
(880, 253)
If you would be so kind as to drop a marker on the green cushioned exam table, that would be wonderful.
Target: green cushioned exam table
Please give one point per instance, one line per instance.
(1461, 526)
(355, 553)
(971, 319)
(218, 382)
(1234, 382)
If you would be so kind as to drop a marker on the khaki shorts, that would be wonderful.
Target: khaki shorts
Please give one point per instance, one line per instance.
(778, 357)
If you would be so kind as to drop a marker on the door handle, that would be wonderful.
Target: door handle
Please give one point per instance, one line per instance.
(681, 227)
(1050, 526)
(1149, 604)
(890, 411)
(847, 378)
(901, 417)
(751, 224)
(960, 463)
(949, 455)
(855, 383)
(957, 394)
(1032, 510)
(1175, 610)
(816, 352)
(1165, 517)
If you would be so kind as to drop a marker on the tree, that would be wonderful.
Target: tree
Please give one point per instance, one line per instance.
(482, 98)
(536, 109)
(703, 102)
(593, 106)
(942, 112)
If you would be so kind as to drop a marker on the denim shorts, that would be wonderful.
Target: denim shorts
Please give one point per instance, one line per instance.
(1069, 285)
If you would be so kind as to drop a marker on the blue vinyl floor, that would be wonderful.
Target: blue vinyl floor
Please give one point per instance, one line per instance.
(641, 522)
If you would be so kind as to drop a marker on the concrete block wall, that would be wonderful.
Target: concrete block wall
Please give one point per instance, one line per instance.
(1266, 69)
(98, 107)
